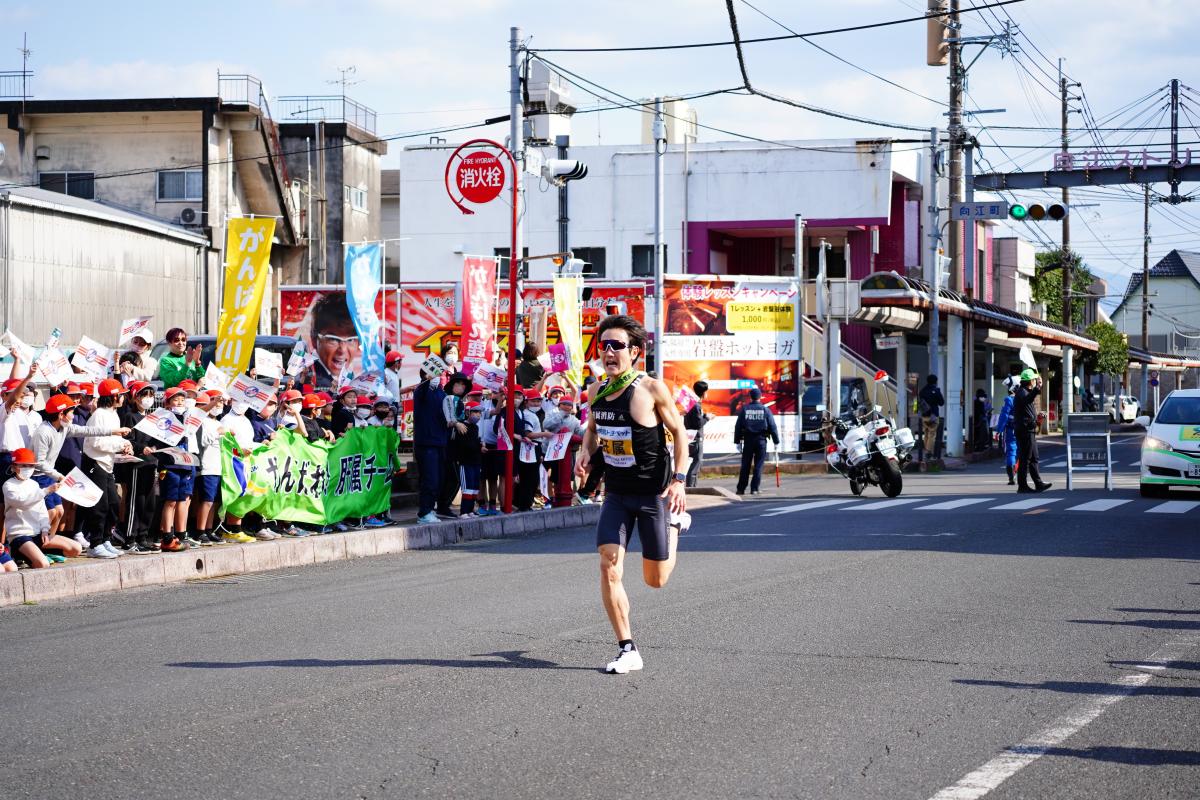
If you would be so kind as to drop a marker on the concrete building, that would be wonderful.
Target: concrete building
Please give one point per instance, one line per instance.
(389, 201)
(1015, 267)
(84, 267)
(330, 146)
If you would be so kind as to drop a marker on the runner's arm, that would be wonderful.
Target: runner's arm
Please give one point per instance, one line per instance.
(664, 405)
(583, 463)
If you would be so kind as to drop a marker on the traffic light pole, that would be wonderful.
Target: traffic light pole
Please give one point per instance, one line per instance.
(955, 395)
(517, 148)
(1145, 393)
(1067, 262)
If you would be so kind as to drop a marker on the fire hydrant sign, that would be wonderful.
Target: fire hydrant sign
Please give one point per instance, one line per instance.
(479, 177)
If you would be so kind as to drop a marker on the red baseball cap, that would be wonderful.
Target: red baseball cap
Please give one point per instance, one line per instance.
(345, 389)
(313, 401)
(326, 398)
(74, 388)
(59, 403)
(393, 356)
(189, 386)
(365, 400)
(88, 388)
(173, 392)
(532, 394)
(472, 406)
(213, 394)
(290, 395)
(110, 388)
(135, 387)
(10, 384)
(23, 455)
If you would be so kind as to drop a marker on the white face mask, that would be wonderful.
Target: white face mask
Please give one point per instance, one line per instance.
(295, 407)
(189, 404)
(178, 410)
(363, 413)
(25, 473)
(146, 403)
(27, 401)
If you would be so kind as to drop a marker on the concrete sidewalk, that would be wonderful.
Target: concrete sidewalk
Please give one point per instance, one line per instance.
(80, 577)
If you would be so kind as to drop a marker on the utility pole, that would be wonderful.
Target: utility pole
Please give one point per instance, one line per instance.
(1146, 294)
(955, 345)
(798, 263)
(660, 263)
(933, 265)
(517, 146)
(1067, 261)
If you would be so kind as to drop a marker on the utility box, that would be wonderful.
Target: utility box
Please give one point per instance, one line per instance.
(1089, 447)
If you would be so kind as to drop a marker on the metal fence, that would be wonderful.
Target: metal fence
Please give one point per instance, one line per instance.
(240, 90)
(14, 85)
(326, 108)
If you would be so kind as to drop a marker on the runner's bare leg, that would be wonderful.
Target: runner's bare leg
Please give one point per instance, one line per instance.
(612, 590)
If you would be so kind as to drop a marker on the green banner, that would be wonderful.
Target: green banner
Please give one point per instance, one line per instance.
(290, 478)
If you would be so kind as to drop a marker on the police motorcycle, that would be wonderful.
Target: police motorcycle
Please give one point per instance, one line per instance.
(867, 447)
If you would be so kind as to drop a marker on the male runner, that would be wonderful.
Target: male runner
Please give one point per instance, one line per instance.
(630, 414)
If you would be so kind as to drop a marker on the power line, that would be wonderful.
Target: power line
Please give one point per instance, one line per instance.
(692, 45)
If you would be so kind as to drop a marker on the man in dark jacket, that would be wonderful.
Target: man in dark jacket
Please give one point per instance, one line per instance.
(929, 404)
(1025, 417)
(694, 420)
(430, 437)
(754, 424)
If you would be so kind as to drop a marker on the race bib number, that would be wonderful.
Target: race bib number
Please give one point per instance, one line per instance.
(616, 443)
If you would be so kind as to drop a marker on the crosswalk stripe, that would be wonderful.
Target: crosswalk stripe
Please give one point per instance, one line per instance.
(1098, 505)
(1174, 507)
(803, 507)
(1055, 465)
(884, 504)
(1022, 505)
(950, 504)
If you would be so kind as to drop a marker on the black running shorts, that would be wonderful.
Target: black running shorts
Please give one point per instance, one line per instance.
(651, 514)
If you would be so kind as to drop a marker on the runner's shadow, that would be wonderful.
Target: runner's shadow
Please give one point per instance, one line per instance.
(1154, 624)
(1163, 664)
(1143, 756)
(1087, 687)
(1158, 610)
(508, 659)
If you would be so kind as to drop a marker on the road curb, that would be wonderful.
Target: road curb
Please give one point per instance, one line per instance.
(129, 572)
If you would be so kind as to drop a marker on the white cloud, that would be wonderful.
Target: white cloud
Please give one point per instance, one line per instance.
(84, 78)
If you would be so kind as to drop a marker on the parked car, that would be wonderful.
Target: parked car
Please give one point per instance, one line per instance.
(1171, 449)
(854, 394)
(1122, 408)
(208, 344)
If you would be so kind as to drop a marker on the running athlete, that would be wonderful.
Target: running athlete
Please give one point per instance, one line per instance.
(630, 416)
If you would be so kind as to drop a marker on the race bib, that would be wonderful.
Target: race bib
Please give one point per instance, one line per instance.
(616, 443)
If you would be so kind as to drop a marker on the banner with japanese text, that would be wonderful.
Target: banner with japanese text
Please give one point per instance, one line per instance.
(735, 333)
(291, 478)
(567, 297)
(247, 256)
(364, 278)
(479, 311)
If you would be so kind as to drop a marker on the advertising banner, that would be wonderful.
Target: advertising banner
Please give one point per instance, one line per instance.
(364, 279)
(735, 333)
(291, 478)
(479, 311)
(247, 254)
(567, 291)
(319, 316)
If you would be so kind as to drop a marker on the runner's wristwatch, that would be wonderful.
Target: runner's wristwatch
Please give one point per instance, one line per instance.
(679, 476)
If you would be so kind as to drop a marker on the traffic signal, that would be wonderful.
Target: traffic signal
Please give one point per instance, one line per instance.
(559, 170)
(1037, 212)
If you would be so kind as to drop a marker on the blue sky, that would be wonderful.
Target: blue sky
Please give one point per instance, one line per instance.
(427, 64)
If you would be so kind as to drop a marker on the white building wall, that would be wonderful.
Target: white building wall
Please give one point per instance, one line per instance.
(613, 206)
(1014, 265)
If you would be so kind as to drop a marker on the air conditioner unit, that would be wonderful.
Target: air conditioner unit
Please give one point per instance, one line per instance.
(189, 216)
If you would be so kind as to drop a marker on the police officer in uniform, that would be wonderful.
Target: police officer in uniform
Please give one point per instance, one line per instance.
(754, 425)
(1025, 416)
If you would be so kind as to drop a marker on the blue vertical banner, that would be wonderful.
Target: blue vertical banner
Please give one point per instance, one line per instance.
(364, 278)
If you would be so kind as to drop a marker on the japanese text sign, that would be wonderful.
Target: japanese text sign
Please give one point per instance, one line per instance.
(247, 254)
(479, 311)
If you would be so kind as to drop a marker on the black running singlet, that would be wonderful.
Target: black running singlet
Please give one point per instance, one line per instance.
(635, 456)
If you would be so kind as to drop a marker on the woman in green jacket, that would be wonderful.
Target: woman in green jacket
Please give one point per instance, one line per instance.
(179, 364)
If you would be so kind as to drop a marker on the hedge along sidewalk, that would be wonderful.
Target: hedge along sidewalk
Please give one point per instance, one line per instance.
(132, 571)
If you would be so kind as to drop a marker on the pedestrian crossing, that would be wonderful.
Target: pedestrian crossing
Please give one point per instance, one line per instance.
(1062, 464)
(1065, 503)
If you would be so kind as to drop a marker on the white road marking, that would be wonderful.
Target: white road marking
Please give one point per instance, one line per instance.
(1012, 760)
(877, 505)
(1174, 507)
(1055, 465)
(1098, 505)
(752, 534)
(1022, 505)
(949, 504)
(913, 535)
(803, 507)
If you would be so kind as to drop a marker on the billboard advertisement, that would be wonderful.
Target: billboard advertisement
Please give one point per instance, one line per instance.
(320, 316)
(735, 333)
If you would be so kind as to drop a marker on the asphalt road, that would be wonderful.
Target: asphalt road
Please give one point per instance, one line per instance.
(832, 651)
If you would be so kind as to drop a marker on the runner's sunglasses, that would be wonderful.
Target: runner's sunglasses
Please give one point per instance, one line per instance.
(612, 344)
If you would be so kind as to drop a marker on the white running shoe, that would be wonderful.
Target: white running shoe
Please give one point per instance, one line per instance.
(100, 552)
(82, 540)
(429, 519)
(110, 548)
(626, 661)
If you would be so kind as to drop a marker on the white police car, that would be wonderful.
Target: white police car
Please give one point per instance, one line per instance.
(1171, 449)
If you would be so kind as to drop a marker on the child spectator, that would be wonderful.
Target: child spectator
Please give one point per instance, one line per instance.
(493, 457)
(207, 492)
(100, 520)
(382, 416)
(139, 479)
(46, 443)
(237, 423)
(454, 411)
(313, 430)
(364, 408)
(177, 482)
(26, 520)
(290, 411)
(469, 455)
(344, 413)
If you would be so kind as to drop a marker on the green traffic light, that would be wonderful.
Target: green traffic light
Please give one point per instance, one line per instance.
(1018, 211)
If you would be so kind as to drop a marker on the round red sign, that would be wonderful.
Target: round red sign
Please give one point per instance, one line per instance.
(480, 177)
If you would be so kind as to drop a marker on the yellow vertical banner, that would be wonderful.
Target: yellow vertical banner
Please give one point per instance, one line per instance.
(247, 253)
(567, 290)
